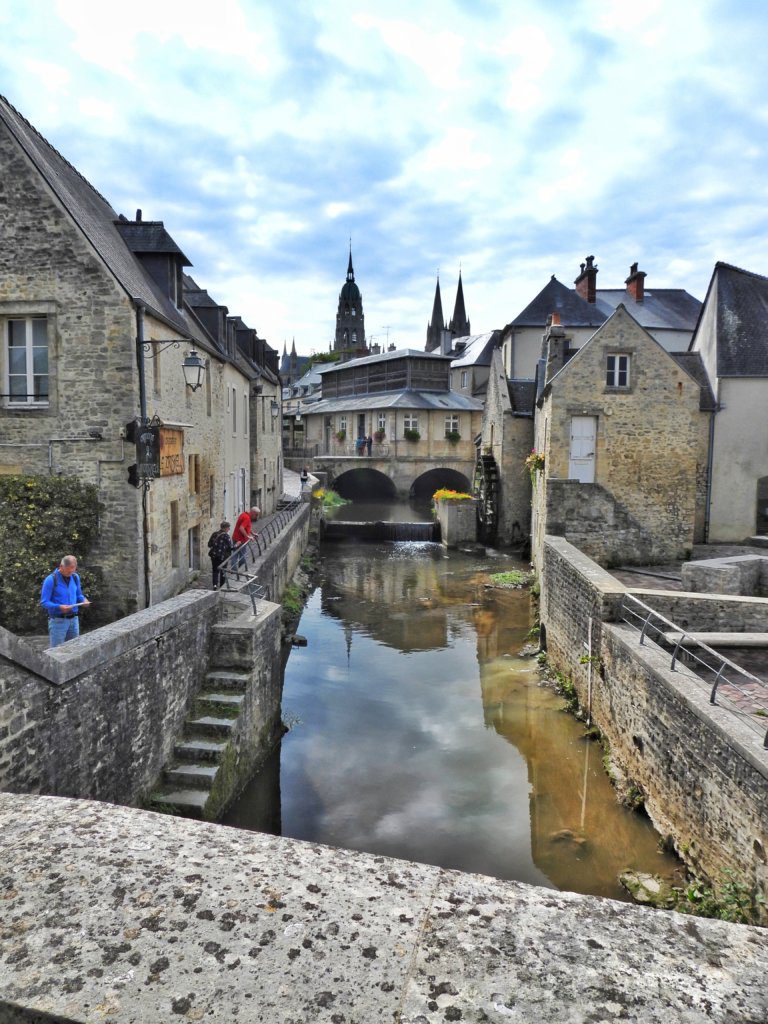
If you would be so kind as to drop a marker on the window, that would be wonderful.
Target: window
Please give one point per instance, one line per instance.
(464, 378)
(411, 421)
(617, 371)
(174, 533)
(234, 412)
(342, 423)
(451, 424)
(26, 349)
(193, 464)
(243, 488)
(245, 415)
(193, 545)
(381, 421)
(354, 337)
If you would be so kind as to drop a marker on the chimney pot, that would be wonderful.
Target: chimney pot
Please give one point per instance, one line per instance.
(586, 282)
(636, 283)
(138, 216)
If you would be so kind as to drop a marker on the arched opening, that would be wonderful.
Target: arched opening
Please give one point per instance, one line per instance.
(424, 486)
(365, 485)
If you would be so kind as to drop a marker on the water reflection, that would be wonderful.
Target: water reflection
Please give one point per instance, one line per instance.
(383, 511)
(422, 735)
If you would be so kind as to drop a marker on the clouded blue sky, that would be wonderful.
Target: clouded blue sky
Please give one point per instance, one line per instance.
(512, 138)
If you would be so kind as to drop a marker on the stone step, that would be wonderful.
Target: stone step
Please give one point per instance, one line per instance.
(197, 749)
(223, 699)
(192, 775)
(190, 802)
(209, 725)
(224, 679)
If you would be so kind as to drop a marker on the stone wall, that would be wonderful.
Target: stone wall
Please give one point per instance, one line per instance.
(736, 574)
(458, 521)
(119, 914)
(509, 438)
(702, 772)
(102, 720)
(98, 716)
(709, 613)
(646, 461)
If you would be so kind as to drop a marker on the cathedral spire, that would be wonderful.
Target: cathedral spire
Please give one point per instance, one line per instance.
(459, 325)
(437, 324)
(349, 341)
(350, 269)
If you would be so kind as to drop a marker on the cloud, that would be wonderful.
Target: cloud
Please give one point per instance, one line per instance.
(510, 138)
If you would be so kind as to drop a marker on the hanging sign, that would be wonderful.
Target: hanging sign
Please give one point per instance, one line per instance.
(147, 451)
(171, 451)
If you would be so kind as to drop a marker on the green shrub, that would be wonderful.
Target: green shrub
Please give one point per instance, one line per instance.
(44, 518)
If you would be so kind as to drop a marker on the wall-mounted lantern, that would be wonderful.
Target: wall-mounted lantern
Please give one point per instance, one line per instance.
(194, 370)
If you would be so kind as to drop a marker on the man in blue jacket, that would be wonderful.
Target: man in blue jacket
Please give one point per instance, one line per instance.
(62, 597)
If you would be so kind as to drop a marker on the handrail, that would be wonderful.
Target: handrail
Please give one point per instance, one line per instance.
(649, 618)
(239, 567)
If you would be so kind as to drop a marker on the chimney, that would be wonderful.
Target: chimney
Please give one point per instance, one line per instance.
(138, 216)
(554, 346)
(636, 283)
(586, 282)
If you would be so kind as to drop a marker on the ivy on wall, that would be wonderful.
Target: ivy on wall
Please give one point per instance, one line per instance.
(43, 518)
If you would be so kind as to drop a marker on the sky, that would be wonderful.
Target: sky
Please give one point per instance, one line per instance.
(508, 140)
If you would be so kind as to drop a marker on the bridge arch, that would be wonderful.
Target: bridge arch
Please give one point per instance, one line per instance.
(424, 486)
(365, 484)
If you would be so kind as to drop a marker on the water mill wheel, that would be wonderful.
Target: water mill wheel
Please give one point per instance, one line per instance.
(486, 490)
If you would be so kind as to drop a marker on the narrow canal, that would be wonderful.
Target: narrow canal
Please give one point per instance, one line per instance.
(418, 731)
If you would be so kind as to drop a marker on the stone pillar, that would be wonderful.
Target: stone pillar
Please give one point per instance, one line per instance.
(458, 521)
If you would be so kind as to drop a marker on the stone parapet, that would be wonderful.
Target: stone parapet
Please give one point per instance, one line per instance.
(149, 918)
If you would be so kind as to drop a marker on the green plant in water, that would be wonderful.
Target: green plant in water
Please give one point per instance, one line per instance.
(730, 900)
(293, 599)
(513, 577)
(329, 498)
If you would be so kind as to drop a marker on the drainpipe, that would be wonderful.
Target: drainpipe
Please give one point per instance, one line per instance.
(710, 460)
(143, 412)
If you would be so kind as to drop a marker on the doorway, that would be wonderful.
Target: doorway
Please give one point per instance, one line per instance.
(581, 464)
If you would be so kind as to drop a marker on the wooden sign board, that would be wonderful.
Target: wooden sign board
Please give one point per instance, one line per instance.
(171, 452)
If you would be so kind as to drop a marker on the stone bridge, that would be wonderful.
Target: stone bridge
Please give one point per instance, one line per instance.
(394, 474)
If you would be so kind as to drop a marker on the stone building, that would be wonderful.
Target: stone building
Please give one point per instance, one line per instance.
(732, 341)
(618, 426)
(387, 395)
(668, 314)
(502, 484)
(79, 287)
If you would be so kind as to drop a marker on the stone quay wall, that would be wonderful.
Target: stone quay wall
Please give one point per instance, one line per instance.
(116, 914)
(703, 772)
(708, 613)
(458, 521)
(98, 717)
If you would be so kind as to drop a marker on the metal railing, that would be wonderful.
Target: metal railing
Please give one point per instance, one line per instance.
(240, 568)
(343, 450)
(667, 634)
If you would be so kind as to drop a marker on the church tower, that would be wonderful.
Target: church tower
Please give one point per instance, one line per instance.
(436, 326)
(349, 341)
(459, 325)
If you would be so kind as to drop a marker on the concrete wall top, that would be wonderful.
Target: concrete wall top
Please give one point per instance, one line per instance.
(116, 914)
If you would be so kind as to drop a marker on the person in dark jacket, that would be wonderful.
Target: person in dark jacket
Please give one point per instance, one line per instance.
(220, 547)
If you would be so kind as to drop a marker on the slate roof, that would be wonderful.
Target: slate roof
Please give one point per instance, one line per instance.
(522, 395)
(398, 353)
(477, 351)
(148, 236)
(556, 297)
(93, 215)
(742, 321)
(662, 308)
(692, 363)
(444, 400)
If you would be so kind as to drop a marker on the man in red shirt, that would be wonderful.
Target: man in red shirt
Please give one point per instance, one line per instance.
(243, 532)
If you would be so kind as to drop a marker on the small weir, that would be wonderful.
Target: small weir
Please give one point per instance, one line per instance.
(338, 530)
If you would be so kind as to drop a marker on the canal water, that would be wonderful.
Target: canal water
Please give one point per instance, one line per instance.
(418, 731)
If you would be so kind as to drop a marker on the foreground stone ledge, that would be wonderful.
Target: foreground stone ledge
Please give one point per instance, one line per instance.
(112, 914)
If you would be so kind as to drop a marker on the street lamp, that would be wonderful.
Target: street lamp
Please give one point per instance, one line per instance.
(274, 408)
(194, 370)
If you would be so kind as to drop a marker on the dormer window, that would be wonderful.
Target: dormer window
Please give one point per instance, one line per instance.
(617, 371)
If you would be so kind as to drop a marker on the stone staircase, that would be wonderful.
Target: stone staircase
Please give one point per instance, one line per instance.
(187, 781)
